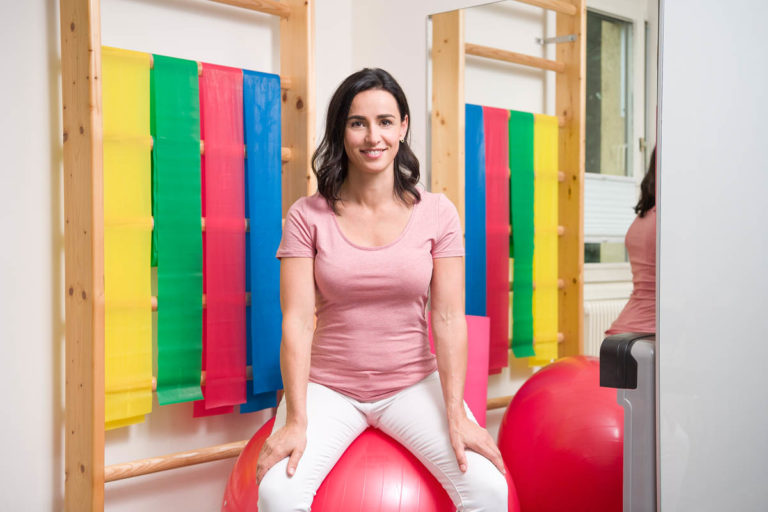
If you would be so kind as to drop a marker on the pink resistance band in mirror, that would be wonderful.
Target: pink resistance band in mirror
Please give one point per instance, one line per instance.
(476, 384)
(223, 206)
(497, 233)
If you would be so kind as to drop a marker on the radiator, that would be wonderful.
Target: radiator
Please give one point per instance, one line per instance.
(598, 316)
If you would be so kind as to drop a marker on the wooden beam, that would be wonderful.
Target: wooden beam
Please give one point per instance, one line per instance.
(447, 155)
(553, 5)
(500, 402)
(514, 57)
(298, 111)
(265, 6)
(173, 461)
(570, 105)
(84, 255)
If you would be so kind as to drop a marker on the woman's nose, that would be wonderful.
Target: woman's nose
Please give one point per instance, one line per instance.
(373, 135)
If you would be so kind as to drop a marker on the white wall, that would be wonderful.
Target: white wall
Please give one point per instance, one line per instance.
(31, 296)
(31, 269)
(713, 241)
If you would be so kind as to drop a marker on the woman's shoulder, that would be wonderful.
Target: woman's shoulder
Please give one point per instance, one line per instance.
(437, 202)
(433, 199)
(309, 207)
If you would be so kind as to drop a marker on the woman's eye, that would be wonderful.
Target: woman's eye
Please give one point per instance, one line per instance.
(356, 124)
(386, 122)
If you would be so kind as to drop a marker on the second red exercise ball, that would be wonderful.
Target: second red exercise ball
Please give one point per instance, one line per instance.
(562, 439)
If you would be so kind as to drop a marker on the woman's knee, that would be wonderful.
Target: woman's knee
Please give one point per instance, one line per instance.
(496, 492)
(280, 493)
(487, 491)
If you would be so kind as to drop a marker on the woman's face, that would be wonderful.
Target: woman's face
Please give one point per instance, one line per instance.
(373, 131)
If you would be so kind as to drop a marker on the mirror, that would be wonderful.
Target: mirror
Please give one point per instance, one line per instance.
(518, 56)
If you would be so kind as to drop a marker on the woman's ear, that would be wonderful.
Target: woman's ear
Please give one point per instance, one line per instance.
(404, 126)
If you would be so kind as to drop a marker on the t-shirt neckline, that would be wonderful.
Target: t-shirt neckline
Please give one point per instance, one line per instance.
(378, 247)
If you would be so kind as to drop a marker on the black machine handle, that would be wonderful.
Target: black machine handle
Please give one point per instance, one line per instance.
(618, 369)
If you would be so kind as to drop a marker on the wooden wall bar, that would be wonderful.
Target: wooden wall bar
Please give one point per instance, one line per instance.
(84, 255)
(298, 109)
(447, 156)
(570, 101)
(84, 216)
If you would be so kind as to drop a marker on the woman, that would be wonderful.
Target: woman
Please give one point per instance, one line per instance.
(639, 314)
(363, 254)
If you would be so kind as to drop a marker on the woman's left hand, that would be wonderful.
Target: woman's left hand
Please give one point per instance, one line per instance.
(468, 435)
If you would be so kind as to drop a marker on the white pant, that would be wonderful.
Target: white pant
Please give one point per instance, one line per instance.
(415, 417)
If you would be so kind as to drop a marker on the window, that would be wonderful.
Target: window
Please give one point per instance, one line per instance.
(609, 88)
(615, 117)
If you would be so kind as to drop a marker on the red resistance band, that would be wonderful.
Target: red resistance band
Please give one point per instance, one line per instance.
(496, 127)
(223, 206)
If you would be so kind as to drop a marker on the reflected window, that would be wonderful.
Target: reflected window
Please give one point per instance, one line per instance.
(609, 96)
(610, 187)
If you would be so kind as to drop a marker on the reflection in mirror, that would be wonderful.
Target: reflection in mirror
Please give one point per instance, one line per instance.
(601, 89)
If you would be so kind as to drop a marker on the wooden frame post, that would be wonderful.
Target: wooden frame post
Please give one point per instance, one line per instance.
(447, 157)
(570, 106)
(84, 252)
(297, 62)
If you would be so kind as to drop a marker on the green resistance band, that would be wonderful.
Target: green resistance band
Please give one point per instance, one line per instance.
(521, 213)
(177, 236)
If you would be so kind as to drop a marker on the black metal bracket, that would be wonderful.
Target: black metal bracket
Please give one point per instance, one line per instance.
(618, 369)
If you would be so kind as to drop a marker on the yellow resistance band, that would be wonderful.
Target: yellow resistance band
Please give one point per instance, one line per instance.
(127, 237)
(545, 165)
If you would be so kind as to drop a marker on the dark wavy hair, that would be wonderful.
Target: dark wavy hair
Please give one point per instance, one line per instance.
(330, 163)
(647, 189)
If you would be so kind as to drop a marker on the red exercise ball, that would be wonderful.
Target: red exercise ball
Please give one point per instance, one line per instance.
(562, 438)
(375, 474)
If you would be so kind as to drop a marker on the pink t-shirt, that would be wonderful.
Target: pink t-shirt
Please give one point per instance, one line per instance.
(639, 315)
(371, 335)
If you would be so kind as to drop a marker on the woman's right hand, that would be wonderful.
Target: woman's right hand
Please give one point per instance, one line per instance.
(290, 441)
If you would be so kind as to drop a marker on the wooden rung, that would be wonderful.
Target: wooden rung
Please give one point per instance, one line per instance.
(560, 284)
(286, 154)
(248, 376)
(499, 402)
(247, 299)
(560, 338)
(266, 6)
(513, 57)
(553, 5)
(202, 224)
(247, 224)
(173, 461)
(285, 81)
(560, 230)
(153, 300)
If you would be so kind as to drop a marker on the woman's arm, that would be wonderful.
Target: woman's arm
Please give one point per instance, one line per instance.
(297, 300)
(449, 328)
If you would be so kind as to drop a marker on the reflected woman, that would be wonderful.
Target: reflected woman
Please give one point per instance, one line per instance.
(639, 314)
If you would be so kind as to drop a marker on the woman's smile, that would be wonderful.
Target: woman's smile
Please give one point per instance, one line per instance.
(373, 154)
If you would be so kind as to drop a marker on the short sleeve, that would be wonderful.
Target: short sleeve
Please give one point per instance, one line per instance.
(449, 241)
(298, 240)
